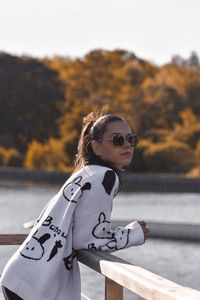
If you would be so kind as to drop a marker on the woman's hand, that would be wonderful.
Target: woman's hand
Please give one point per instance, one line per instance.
(145, 228)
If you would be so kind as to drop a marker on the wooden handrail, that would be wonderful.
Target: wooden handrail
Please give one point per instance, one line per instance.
(120, 273)
(138, 280)
(12, 238)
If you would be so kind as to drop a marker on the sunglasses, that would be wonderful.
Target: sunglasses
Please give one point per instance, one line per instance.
(119, 140)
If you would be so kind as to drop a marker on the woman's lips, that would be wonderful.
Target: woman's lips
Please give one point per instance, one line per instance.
(126, 154)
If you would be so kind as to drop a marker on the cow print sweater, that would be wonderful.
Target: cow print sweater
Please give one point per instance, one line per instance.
(78, 217)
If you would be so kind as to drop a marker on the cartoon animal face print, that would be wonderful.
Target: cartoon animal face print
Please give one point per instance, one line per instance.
(73, 190)
(121, 239)
(34, 249)
(102, 229)
(115, 240)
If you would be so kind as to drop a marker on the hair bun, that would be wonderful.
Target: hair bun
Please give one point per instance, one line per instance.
(89, 120)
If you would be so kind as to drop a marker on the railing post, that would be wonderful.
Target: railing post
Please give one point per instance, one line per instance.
(113, 291)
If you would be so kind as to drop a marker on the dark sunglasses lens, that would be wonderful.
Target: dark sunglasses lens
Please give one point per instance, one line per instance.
(118, 140)
(133, 139)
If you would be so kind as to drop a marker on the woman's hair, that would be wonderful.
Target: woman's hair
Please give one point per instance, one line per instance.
(93, 128)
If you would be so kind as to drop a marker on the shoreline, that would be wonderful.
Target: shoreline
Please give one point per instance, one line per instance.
(133, 182)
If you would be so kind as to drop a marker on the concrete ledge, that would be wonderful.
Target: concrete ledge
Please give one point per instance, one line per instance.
(176, 231)
(133, 182)
(170, 183)
(34, 176)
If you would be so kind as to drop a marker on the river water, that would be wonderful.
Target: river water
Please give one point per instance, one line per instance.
(175, 260)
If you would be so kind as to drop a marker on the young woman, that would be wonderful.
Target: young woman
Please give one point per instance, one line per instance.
(45, 266)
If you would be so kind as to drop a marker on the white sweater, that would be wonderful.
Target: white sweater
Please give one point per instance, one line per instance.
(45, 266)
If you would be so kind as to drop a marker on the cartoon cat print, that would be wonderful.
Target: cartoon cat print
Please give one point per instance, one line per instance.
(73, 188)
(116, 241)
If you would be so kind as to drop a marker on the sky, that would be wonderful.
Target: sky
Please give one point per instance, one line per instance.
(153, 30)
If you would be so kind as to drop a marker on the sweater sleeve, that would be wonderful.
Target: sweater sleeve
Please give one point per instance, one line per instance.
(100, 235)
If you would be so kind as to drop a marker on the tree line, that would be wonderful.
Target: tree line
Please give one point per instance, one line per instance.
(44, 100)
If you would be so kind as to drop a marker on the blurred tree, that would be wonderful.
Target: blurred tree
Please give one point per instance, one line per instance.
(197, 153)
(193, 93)
(178, 60)
(30, 96)
(188, 130)
(165, 95)
(9, 157)
(191, 62)
(167, 157)
(49, 156)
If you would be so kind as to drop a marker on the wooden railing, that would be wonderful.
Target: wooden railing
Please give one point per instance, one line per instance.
(121, 274)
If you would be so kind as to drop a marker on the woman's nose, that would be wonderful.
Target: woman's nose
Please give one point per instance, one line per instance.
(127, 144)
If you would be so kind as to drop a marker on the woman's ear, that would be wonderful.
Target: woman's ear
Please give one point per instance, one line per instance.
(96, 147)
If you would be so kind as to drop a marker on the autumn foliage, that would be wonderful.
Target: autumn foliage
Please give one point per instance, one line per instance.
(41, 114)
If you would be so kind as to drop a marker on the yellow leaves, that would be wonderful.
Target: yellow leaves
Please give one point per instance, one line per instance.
(173, 156)
(49, 156)
(188, 131)
(176, 150)
(189, 119)
(72, 119)
(169, 82)
(160, 147)
(174, 77)
(9, 157)
(134, 72)
(197, 153)
(195, 171)
(34, 155)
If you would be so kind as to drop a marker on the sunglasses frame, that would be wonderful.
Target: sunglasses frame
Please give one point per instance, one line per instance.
(134, 144)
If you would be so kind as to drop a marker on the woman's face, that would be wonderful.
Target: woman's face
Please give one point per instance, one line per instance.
(117, 156)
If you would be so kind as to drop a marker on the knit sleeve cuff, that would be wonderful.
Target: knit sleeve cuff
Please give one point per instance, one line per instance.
(136, 236)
